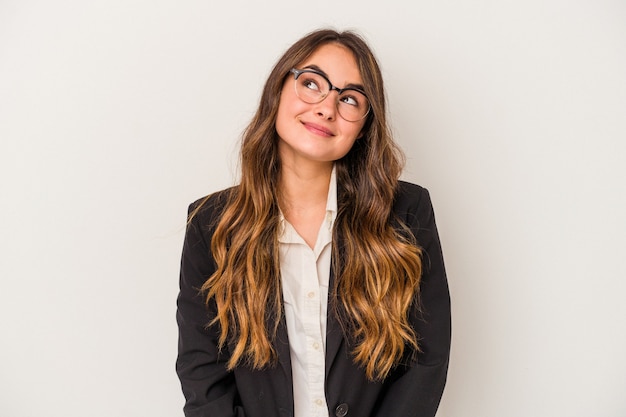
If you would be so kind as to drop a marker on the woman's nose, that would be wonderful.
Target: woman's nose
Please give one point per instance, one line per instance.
(327, 108)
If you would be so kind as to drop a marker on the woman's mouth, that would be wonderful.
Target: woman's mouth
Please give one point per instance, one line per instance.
(318, 129)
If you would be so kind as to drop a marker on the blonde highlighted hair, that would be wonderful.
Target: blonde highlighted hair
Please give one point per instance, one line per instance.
(376, 261)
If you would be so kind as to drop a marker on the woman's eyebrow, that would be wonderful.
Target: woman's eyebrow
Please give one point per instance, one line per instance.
(321, 71)
(316, 68)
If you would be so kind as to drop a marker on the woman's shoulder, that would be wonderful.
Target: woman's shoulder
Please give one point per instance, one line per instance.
(412, 203)
(210, 206)
(408, 193)
(414, 208)
(212, 200)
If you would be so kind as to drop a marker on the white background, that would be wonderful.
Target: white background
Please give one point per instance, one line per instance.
(114, 115)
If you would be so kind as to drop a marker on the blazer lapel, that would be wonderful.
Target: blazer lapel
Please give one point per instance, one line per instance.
(281, 344)
(334, 333)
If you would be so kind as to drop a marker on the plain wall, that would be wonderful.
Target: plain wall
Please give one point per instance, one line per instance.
(114, 115)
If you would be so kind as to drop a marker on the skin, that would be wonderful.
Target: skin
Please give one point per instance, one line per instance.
(311, 138)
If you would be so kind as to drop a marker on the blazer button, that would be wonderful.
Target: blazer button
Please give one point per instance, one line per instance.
(341, 410)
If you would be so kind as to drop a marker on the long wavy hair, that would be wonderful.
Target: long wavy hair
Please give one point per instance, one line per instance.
(376, 261)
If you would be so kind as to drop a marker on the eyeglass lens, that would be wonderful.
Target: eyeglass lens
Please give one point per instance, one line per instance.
(312, 88)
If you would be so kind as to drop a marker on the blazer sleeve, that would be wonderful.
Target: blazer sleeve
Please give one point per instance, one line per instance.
(417, 391)
(209, 389)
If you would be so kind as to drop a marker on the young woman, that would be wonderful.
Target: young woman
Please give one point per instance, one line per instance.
(315, 287)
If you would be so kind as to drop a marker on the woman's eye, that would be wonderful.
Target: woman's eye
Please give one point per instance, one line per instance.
(310, 84)
(349, 100)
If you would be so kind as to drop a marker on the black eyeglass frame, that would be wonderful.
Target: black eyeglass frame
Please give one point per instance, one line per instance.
(298, 72)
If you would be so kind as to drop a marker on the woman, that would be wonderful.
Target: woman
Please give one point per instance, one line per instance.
(315, 287)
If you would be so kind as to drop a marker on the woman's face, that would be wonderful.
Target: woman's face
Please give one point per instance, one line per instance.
(316, 132)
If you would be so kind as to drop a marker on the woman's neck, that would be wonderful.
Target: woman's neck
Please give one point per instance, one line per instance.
(302, 198)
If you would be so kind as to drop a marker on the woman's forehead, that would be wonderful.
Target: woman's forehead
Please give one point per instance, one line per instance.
(335, 61)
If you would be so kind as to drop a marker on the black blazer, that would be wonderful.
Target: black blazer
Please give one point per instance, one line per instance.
(412, 389)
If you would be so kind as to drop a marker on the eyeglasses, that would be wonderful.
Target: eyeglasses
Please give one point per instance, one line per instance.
(313, 87)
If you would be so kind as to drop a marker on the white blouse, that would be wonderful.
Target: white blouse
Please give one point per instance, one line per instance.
(305, 273)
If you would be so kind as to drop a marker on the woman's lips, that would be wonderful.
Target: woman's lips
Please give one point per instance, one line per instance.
(318, 129)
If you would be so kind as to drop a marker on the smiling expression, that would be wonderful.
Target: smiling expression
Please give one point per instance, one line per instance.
(316, 132)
